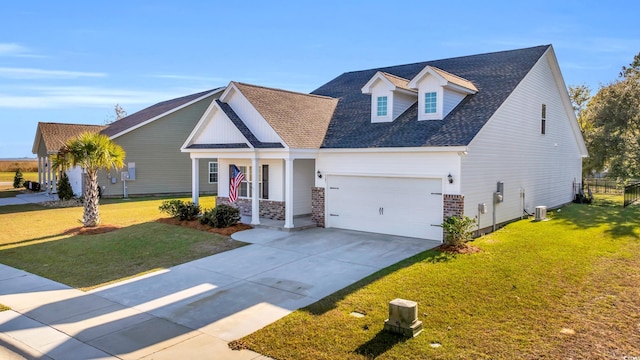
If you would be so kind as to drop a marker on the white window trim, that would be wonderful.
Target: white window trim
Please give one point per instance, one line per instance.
(209, 172)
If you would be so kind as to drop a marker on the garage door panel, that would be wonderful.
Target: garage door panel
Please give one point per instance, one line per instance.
(397, 206)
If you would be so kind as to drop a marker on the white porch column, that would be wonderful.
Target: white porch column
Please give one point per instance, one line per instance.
(195, 180)
(40, 169)
(54, 187)
(255, 192)
(47, 174)
(288, 193)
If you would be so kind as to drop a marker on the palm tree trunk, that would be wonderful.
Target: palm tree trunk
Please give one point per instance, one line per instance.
(91, 212)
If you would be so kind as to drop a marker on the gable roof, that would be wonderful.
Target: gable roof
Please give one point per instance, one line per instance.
(495, 75)
(55, 135)
(153, 112)
(301, 120)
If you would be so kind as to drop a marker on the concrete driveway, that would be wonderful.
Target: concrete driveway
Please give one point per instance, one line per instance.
(194, 308)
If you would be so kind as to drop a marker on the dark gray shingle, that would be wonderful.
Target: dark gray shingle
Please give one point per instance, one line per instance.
(495, 75)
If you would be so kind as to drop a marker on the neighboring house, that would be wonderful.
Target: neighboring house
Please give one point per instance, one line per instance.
(152, 138)
(50, 137)
(396, 150)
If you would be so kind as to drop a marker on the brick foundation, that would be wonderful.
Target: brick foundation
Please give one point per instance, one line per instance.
(317, 206)
(268, 209)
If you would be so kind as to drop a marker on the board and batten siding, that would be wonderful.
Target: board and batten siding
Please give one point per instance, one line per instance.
(161, 167)
(510, 148)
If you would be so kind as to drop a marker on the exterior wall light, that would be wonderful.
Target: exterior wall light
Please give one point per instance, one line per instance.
(450, 178)
(319, 174)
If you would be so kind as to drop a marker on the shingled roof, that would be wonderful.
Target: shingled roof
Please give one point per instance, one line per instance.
(301, 120)
(495, 75)
(55, 135)
(136, 119)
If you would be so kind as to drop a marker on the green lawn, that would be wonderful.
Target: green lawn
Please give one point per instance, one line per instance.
(40, 240)
(558, 289)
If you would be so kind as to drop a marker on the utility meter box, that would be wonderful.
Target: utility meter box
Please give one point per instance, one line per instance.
(124, 176)
(482, 208)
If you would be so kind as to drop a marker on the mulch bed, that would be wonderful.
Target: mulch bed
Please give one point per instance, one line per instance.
(91, 230)
(62, 203)
(195, 224)
(462, 249)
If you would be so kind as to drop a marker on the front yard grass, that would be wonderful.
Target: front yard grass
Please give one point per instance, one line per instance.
(558, 289)
(41, 240)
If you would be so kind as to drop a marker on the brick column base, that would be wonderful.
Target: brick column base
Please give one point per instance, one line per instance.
(317, 206)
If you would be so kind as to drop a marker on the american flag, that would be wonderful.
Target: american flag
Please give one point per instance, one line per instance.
(236, 178)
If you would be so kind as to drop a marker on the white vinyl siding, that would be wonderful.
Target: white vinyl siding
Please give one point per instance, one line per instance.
(401, 102)
(450, 100)
(303, 181)
(509, 148)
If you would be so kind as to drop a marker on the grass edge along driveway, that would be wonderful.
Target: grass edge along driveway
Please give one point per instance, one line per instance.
(563, 288)
(37, 241)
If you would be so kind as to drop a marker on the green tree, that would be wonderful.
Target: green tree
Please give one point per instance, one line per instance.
(18, 179)
(580, 95)
(65, 191)
(613, 132)
(92, 152)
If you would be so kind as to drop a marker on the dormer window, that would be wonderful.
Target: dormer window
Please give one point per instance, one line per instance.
(382, 106)
(439, 92)
(430, 102)
(390, 96)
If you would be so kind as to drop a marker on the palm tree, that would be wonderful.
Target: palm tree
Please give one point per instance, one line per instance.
(92, 152)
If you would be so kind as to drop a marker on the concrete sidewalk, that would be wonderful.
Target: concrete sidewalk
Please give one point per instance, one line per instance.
(28, 198)
(192, 310)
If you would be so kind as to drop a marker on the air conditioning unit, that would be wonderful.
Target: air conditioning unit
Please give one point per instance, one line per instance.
(541, 213)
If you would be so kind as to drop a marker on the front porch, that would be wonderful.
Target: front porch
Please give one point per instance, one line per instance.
(301, 222)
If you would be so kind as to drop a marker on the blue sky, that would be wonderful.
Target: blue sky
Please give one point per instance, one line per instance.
(73, 61)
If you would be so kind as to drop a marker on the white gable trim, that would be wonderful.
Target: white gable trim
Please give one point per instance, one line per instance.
(429, 70)
(206, 118)
(166, 113)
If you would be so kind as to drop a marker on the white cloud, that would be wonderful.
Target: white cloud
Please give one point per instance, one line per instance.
(82, 96)
(16, 50)
(30, 73)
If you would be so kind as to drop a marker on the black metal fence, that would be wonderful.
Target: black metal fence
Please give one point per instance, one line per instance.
(631, 193)
(604, 186)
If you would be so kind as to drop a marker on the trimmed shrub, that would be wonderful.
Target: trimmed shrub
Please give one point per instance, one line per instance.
(65, 192)
(18, 179)
(180, 209)
(221, 216)
(458, 230)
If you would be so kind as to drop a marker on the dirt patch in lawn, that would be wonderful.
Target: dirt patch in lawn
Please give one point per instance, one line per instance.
(195, 224)
(91, 230)
(461, 249)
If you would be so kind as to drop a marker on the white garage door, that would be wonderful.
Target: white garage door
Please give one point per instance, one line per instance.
(387, 205)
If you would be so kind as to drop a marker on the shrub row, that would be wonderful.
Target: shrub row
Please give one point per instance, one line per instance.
(221, 216)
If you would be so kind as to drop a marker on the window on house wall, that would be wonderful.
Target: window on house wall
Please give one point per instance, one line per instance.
(382, 106)
(430, 102)
(543, 123)
(246, 190)
(213, 172)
